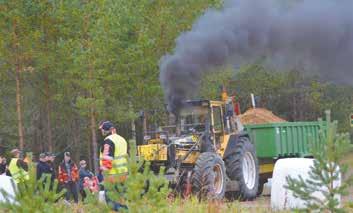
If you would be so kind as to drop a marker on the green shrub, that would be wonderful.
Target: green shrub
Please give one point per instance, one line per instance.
(35, 196)
(327, 169)
(142, 191)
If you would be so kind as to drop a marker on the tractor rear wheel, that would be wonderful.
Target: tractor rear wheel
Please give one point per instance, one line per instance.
(209, 178)
(243, 167)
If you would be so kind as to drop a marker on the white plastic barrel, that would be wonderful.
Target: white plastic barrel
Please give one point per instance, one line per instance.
(282, 198)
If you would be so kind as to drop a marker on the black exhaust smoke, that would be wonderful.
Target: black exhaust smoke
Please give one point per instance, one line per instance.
(308, 35)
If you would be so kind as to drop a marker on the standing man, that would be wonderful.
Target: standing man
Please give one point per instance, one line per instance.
(113, 159)
(50, 162)
(17, 167)
(43, 167)
(113, 154)
(68, 177)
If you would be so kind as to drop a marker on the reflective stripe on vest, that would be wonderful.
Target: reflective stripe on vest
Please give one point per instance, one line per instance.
(17, 172)
(119, 162)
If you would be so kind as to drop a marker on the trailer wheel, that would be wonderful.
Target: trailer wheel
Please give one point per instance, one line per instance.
(243, 167)
(208, 180)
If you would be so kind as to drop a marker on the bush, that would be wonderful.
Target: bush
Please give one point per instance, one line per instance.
(35, 196)
(142, 191)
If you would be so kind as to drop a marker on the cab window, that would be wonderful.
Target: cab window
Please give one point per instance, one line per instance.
(217, 118)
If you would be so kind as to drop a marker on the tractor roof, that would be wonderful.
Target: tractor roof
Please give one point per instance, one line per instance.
(204, 103)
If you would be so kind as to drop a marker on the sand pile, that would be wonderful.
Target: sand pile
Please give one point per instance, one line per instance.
(259, 116)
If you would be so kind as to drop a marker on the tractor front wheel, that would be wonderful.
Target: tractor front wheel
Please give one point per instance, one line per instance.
(209, 178)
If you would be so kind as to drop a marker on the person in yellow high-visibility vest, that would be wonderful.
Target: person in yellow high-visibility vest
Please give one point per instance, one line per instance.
(113, 154)
(17, 167)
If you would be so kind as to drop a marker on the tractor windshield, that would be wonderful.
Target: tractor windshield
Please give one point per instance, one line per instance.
(193, 118)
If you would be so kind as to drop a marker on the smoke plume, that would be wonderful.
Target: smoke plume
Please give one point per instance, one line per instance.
(308, 35)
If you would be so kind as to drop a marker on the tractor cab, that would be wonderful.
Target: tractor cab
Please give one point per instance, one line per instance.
(215, 120)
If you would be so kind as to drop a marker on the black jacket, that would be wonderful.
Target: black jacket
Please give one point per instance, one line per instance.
(43, 168)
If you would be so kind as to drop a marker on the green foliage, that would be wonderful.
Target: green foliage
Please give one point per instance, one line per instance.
(80, 57)
(142, 191)
(35, 196)
(291, 94)
(327, 169)
(92, 204)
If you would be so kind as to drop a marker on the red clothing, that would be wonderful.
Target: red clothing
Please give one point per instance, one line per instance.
(63, 176)
(107, 150)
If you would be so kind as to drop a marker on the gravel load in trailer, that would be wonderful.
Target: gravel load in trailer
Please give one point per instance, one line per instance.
(259, 116)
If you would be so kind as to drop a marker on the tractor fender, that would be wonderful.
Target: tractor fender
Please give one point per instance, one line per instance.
(232, 143)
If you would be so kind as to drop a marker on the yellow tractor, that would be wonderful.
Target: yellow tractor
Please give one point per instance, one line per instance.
(208, 155)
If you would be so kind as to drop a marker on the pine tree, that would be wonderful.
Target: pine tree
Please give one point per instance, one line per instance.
(326, 170)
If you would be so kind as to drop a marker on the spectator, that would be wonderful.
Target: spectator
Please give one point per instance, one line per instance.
(4, 162)
(43, 167)
(50, 162)
(68, 177)
(17, 167)
(84, 174)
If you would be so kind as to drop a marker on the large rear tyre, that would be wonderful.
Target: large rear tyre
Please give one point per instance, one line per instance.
(208, 179)
(243, 167)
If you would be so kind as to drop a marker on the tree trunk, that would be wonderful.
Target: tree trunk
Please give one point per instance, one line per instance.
(18, 90)
(92, 106)
(48, 112)
(94, 139)
(76, 139)
(89, 159)
(19, 108)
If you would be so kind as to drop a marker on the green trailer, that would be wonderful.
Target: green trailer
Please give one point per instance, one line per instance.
(281, 140)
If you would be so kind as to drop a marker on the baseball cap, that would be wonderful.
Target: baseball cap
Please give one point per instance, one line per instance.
(15, 151)
(49, 154)
(106, 125)
(67, 154)
(42, 155)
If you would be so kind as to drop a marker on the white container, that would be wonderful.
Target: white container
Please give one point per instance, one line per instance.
(101, 196)
(282, 198)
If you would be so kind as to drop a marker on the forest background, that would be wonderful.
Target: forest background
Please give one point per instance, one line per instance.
(65, 65)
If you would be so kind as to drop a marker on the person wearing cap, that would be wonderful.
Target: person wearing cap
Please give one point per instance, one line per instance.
(3, 161)
(68, 177)
(113, 154)
(42, 166)
(50, 162)
(17, 167)
(113, 159)
(84, 173)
